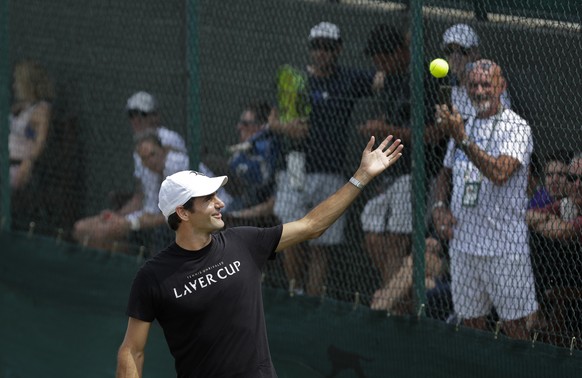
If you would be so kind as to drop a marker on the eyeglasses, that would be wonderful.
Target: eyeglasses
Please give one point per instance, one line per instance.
(133, 113)
(559, 174)
(574, 178)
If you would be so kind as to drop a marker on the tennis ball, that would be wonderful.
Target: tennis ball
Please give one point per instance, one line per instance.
(439, 68)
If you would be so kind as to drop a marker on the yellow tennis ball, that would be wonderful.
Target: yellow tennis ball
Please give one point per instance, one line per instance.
(439, 68)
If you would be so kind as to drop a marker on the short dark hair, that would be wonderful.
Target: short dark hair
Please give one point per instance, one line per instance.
(384, 39)
(562, 156)
(174, 220)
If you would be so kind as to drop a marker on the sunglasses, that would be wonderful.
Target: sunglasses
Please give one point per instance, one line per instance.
(574, 178)
(456, 50)
(559, 174)
(135, 113)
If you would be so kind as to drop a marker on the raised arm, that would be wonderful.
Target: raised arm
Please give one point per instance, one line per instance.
(319, 219)
(130, 356)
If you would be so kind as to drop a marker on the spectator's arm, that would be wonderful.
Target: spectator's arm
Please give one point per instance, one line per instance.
(295, 129)
(497, 169)
(556, 228)
(262, 209)
(147, 220)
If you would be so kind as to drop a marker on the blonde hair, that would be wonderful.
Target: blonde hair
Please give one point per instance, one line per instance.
(34, 81)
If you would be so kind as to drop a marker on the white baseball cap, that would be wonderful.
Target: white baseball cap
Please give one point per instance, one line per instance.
(142, 101)
(325, 30)
(178, 188)
(462, 35)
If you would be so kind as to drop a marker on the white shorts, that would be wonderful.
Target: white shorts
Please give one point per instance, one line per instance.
(292, 203)
(480, 282)
(391, 211)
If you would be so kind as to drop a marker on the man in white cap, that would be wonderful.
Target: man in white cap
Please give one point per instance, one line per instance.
(460, 46)
(142, 110)
(323, 146)
(205, 289)
(104, 231)
(111, 229)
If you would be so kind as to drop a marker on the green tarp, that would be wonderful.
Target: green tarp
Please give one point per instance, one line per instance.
(62, 315)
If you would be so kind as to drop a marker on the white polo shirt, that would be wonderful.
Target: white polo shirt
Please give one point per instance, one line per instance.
(496, 224)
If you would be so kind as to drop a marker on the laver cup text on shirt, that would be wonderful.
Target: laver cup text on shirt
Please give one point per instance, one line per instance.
(207, 279)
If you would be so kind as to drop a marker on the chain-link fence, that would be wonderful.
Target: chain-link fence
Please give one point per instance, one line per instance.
(211, 72)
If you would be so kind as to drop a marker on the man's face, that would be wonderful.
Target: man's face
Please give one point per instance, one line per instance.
(141, 121)
(575, 180)
(484, 86)
(458, 57)
(152, 156)
(247, 126)
(324, 53)
(206, 216)
(556, 179)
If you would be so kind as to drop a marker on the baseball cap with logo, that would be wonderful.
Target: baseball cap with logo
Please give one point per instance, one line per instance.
(178, 188)
(325, 30)
(142, 102)
(462, 35)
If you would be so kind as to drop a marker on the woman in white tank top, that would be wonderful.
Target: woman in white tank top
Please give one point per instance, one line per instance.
(29, 120)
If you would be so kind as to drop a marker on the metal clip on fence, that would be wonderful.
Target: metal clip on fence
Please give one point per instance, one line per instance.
(140, 255)
(497, 329)
(356, 300)
(572, 344)
(534, 339)
(60, 233)
(85, 241)
(31, 227)
(420, 310)
(292, 287)
(457, 325)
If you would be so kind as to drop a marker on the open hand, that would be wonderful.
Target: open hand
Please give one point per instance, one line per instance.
(376, 161)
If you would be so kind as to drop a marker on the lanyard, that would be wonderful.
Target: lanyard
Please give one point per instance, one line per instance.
(472, 139)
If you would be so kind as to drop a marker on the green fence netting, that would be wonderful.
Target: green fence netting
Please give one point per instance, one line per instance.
(213, 70)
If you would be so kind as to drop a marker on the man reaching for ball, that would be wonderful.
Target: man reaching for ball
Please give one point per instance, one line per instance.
(205, 289)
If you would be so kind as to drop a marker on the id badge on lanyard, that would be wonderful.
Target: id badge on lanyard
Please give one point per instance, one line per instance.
(473, 177)
(471, 186)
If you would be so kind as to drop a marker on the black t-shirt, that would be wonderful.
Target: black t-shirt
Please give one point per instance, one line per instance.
(209, 303)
